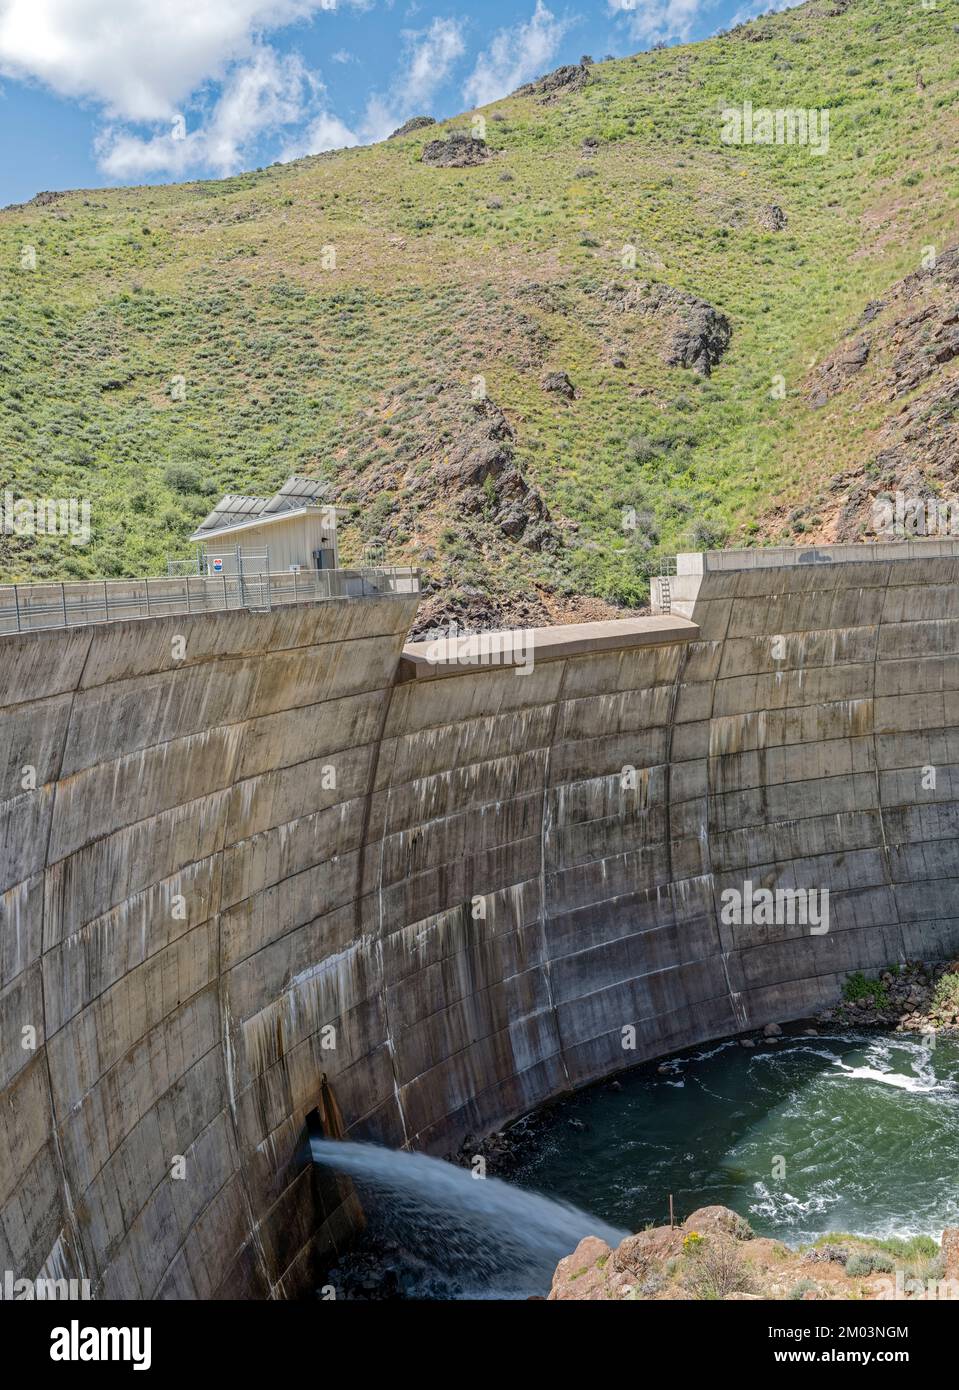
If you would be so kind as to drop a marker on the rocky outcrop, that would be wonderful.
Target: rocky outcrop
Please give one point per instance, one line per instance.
(905, 349)
(913, 998)
(772, 218)
(558, 83)
(560, 383)
(838, 369)
(457, 151)
(481, 474)
(414, 123)
(700, 333)
(714, 1255)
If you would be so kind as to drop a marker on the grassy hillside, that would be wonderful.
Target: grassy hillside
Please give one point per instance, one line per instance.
(448, 279)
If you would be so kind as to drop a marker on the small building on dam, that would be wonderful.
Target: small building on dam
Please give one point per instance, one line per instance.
(292, 530)
(254, 839)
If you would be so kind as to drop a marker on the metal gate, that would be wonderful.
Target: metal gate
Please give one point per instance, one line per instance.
(253, 573)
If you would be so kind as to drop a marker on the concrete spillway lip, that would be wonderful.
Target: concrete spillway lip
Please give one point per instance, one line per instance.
(523, 647)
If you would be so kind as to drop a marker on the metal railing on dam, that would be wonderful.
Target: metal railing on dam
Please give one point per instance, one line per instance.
(34, 607)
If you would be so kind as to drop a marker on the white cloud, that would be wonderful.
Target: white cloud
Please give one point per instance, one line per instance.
(429, 59)
(758, 7)
(260, 95)
(325, 132)
(515, 55)
(142, 60)
(656, 21)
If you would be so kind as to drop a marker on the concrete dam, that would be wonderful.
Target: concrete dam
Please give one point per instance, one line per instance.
(245, 851)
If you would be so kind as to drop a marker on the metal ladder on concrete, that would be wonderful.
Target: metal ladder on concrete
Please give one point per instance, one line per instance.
(665, 593)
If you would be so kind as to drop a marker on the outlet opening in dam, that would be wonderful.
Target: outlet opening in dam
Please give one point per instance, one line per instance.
(704, 1130)
(278, 882)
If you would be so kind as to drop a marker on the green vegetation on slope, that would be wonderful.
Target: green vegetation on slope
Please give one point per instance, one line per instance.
(319, 313)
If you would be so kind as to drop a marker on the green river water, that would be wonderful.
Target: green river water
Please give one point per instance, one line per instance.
(804, 1135)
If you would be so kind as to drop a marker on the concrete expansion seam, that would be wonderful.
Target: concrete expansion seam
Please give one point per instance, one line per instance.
(737, 1007)
(886, 860)
(54, 1125)
(543, 837)
(227, 1056)
(388, 697)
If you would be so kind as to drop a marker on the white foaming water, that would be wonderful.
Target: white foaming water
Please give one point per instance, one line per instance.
(787, 1210)
(888, 1078)
(486, 1237)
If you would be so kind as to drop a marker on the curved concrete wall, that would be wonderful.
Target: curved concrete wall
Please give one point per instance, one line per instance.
(275, 859)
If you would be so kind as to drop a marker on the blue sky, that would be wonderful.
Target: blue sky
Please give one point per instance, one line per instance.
(100, 92)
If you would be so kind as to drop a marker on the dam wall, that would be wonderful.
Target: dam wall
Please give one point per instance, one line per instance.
(280, 848)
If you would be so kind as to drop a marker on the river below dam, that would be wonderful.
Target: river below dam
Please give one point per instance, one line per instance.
(801, 1135)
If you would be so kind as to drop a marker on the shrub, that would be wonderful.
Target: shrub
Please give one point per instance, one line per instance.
(947, 992)
(182, 478)
(865, 1262)
(858, 987)
(715, 1270)
(799, 1291)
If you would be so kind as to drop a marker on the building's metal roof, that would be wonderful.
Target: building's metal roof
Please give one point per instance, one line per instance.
(295, 496)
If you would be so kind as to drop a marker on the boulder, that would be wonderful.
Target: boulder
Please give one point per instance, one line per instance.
(718, 1221)
(458, 151)
(561, 384)
(414, 123)
(772, 218)
(701, 333)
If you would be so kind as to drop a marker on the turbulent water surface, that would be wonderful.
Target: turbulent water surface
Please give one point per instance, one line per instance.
(851, 1132)
(801, 1135)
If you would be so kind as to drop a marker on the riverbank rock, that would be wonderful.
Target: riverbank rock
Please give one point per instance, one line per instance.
(918, 997)
(950, 1252)
(714, 1255)
(719, 1221)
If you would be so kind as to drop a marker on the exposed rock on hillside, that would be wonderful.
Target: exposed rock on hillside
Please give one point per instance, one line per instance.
(481, 473)
(836, 371)
(700, 333)
(772, 218)
(561, 384)
(458, 151)
(414, 123)
(557, 83)
(911, 350)
(752, 33)
(446, 609)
